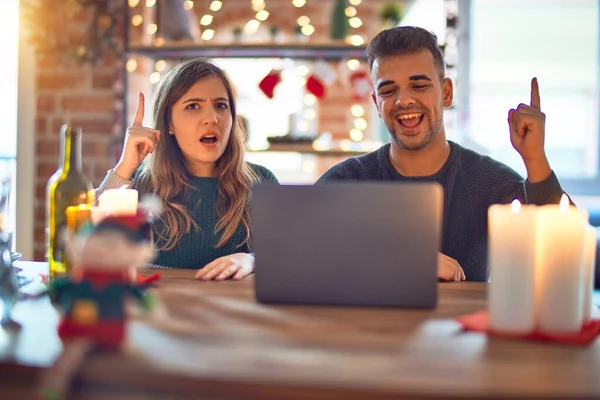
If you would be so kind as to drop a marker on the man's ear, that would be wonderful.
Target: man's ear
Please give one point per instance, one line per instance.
(448, 92)
(374, 98)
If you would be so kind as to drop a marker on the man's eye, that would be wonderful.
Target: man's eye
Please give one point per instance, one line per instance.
(419, 87)
(386, 92)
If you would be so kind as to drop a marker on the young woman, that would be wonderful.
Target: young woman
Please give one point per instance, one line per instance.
(193, 159)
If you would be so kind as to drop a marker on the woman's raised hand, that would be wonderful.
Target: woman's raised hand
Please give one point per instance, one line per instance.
(139, 141)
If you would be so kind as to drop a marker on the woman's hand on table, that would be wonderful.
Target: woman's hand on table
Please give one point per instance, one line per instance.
(448, 269)
(235, 266)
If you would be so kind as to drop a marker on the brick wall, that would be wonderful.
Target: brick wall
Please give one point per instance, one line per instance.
(91, 97)
(83, 97)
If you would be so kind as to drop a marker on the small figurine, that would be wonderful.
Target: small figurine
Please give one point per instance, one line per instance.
(93, 296)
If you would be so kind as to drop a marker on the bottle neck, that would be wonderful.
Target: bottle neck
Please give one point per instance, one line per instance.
(70, 149)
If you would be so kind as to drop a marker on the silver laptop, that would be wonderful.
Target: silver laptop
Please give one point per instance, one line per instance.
(355, 244)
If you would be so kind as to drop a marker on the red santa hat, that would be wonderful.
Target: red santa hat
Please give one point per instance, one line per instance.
(136, 228)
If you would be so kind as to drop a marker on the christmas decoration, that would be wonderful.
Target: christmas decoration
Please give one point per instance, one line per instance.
(237, 34)
(98, 34)
(360, 85)
(268, 83)
(276, 34)
(177, 23)
(391, 14)
(56, 381)
(322, 76)
(92, 298)
(339, 21)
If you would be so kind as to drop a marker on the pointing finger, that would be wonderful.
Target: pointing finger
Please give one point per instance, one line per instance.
(535, 94)
(139, 114)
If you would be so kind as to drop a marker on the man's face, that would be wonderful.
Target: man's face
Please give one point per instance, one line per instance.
(411, 98)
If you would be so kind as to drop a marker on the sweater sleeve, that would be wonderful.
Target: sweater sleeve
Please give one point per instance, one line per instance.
(547, 191)
(112, 181)
(265, 174)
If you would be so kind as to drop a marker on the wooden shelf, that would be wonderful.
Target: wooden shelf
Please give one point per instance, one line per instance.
(249, 50)
(307, 149)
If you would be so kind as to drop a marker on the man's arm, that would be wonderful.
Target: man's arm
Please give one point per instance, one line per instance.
(527, 124)
(547, 191)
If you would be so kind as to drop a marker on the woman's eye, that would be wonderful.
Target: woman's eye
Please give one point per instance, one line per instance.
(192, 106)
(222, 106)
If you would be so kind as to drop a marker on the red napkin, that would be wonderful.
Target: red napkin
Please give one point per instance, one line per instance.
(142, 279)
(139, 278)
(478, 322)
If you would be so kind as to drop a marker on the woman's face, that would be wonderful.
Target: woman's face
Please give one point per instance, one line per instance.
(201, 122)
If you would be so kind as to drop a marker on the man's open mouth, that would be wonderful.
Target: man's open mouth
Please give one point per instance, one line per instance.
(410, 120)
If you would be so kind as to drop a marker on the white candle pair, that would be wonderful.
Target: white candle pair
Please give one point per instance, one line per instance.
(541, 261)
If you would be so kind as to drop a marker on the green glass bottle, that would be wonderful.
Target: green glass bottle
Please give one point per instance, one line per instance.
(67, 187)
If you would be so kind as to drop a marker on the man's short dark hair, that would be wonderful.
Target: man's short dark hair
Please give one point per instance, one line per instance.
(404, 40)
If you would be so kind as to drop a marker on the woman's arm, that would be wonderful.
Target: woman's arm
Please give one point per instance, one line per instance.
(112, 181)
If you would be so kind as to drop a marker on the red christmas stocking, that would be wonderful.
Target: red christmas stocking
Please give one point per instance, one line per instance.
(360, 85)
(323, 76)
(268, 83)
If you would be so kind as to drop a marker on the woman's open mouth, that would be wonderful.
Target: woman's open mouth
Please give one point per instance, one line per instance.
(208, 139)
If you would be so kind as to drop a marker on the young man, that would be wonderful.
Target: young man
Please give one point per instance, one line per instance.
(410, 93)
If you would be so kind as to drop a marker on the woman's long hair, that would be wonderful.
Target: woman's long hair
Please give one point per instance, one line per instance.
(165, 172)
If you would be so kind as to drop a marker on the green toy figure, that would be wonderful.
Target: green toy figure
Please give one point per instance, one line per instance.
(92, 298)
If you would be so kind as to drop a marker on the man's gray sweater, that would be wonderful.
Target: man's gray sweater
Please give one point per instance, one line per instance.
(472, 183)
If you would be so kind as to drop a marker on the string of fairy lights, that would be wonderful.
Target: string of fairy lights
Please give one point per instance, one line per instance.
(207, 19)
(252, 25)
(356, 110)
(355, 22)
(305, 27)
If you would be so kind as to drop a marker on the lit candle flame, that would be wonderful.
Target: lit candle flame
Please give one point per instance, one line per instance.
(564, 204)
(515, 206)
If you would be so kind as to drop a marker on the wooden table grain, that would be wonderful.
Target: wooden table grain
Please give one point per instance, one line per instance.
(212, 340)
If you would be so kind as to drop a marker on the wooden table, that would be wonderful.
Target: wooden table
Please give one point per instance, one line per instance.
(212, 340)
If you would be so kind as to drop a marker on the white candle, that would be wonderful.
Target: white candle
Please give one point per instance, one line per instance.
(589, 269)
(511, 262)
(118, 201)
(97, 214)
(561, 231)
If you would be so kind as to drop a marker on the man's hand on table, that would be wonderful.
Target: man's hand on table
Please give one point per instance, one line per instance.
(449, 269)
(235, 266)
